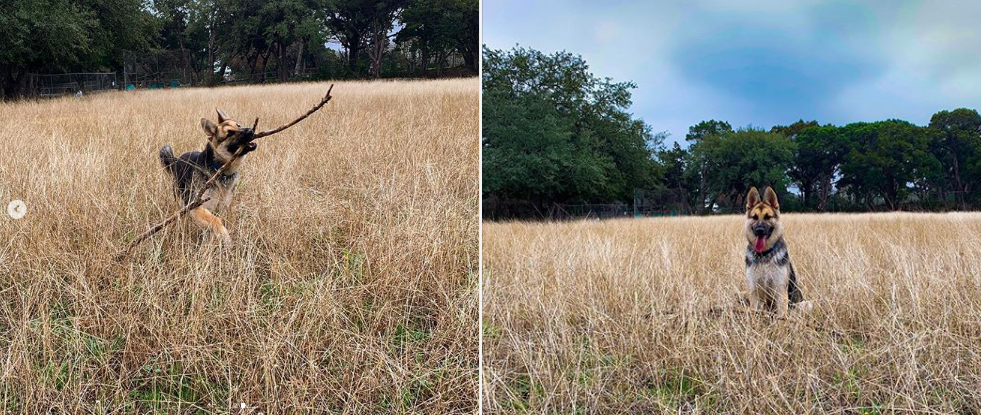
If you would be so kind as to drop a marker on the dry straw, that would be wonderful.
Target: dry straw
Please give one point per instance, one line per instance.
(638, 316)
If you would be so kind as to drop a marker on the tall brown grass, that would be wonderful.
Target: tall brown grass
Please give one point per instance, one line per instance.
(638, 316)
(350, 288)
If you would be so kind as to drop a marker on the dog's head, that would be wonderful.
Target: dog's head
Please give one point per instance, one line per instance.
(762, 219)
(227, 136)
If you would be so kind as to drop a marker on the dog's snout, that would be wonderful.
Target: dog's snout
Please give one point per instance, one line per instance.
(759, 230)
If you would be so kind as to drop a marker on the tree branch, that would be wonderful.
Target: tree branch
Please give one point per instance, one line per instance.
(302, 117)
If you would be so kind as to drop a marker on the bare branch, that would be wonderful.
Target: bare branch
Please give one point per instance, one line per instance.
(311, 111)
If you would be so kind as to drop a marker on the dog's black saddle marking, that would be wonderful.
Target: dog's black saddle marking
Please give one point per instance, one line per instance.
(191, 167)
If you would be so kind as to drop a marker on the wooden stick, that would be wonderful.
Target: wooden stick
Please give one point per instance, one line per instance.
(312, 110)
(156, 228)
(199, 198)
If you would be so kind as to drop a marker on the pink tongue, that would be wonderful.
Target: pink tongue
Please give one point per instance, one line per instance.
(760, 244)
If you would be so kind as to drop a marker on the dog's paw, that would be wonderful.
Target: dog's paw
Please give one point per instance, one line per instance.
(804, 306)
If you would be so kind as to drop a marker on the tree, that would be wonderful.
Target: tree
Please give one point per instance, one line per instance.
(734, 162)
(65, 35)
(349, 21)
(527, 147)
(887, 159)
(436, 27)
(675, 163)
(817, 159)
(706, 128)
(699, 163)
(606, 152)
(960, 133)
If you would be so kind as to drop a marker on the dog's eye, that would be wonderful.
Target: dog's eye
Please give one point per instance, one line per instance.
(766, 216)
(756, 217)
(231, 132)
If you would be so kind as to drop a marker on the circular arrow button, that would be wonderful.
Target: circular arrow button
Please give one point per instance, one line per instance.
(17, 209)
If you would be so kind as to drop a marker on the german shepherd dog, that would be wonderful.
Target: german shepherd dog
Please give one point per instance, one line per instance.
(772, 280)
(192, 169)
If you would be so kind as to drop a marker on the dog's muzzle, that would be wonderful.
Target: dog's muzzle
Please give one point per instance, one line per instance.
(759, 230)
(245, 137)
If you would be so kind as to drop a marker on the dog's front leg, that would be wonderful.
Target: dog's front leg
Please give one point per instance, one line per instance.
(207, 220)
(783, 301)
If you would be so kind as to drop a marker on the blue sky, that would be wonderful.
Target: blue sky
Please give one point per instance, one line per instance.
(762, 62)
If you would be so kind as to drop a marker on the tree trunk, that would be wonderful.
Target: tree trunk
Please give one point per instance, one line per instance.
(221, 71)
(281, 62)
(211, 53)
(823, 192)
(379, 39)
(253, 61)
(353, 50)
(701, 195)
(265, 61)
(959, 187)
(298, 69)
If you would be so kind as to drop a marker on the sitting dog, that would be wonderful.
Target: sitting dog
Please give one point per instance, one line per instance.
(193, 169)
(772, 280)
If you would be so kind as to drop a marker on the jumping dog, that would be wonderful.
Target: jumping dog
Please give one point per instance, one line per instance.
(191, 170)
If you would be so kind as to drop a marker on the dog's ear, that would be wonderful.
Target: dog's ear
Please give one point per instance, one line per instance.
(752, 198)
(209, 127)
(221, 116)
(770, 197)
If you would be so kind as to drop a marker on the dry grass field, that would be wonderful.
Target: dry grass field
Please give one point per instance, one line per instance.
(638, 316)
(351, 286)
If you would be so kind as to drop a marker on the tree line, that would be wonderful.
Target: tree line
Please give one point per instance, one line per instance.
(209, 38)
(553, 133)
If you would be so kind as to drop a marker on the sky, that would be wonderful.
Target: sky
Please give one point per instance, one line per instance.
(762, 62)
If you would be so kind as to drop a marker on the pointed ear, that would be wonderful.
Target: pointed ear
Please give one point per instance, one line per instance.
(752, 198)
(209, 127)
(221, 116)
(770, 197)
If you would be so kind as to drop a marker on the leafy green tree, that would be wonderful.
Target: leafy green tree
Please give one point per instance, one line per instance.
(66, 35)
(959, 149)
(675, 163)
(820, 150)
(742, 159)
(699, 163)
(889, 160)
(527, 147)
(706, 128)
(436, 27)
(609, 153)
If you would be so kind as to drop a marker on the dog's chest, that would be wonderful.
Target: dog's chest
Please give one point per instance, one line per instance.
(766, 273)
(220, 195)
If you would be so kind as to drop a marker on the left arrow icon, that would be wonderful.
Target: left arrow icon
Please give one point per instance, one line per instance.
(17, 209)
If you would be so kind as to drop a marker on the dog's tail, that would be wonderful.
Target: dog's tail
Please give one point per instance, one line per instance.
(167, 158)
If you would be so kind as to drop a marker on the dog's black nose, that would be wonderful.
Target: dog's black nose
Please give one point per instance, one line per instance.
(759, 231)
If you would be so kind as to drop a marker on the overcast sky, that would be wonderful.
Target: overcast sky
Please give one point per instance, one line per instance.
(762, 63)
